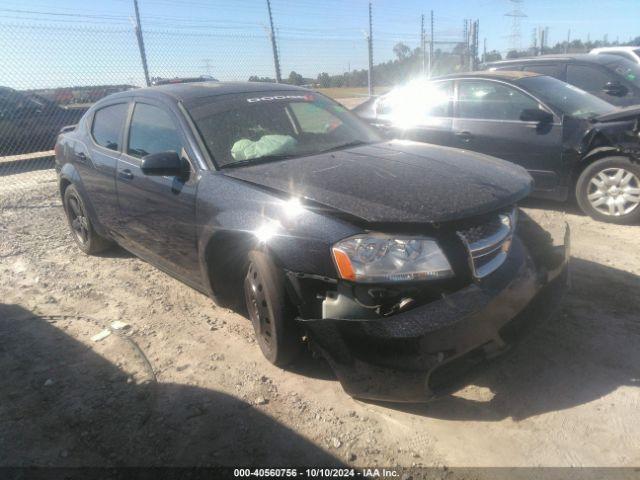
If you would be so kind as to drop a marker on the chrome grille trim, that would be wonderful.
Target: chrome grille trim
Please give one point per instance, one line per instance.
(488, 244)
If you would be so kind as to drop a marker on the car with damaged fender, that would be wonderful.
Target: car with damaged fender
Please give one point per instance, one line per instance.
(394, 260)
(573, 144)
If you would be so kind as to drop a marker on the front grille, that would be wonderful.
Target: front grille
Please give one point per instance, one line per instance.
(488, 243)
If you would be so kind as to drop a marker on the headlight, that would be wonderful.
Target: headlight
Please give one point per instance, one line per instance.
(376, 257)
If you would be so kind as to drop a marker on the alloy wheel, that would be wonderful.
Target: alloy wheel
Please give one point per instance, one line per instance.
(614, 192)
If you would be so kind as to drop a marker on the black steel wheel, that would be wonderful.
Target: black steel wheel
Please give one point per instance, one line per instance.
(269, 311)
(81, 227)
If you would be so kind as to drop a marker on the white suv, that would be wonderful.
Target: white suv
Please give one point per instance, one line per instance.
(630, 53)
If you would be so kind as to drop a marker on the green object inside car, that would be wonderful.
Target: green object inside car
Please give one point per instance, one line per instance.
(245, 149)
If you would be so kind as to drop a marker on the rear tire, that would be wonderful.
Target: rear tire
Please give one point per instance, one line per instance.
(80, 224)
(608, 190)
(271, 315)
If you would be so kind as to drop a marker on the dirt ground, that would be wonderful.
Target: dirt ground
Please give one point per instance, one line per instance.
(186, 384)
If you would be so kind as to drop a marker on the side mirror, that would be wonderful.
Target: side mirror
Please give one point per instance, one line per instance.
(616, 89)
(536, 115)
(163, 164)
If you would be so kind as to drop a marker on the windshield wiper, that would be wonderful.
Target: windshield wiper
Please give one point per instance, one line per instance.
(255, 161)
(354, 143)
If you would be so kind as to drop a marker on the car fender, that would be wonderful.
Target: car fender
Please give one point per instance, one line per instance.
(68, 173)
(621, 138)
(298, 237)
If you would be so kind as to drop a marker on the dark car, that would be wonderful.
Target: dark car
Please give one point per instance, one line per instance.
(393, 259)
(609, 77)
(571, 142)
(30, 123)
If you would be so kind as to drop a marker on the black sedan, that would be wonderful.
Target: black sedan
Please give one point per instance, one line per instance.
(30, 123)
(278, 202)
(571, 142)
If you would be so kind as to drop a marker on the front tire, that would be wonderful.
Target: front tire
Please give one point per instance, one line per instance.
(269, 310)
(82, 229)
(609, 190)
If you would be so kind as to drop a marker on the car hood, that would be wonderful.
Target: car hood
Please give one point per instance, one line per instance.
(396, 182)
(620, 114)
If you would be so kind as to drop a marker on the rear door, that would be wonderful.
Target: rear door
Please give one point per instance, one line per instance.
(487, 120)
(97, 160)
(420, 113)
(157, 213)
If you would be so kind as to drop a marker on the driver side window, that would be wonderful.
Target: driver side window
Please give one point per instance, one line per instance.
(491, 101)
(152, 131)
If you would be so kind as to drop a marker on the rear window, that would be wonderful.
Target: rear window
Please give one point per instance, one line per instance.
(107, 125)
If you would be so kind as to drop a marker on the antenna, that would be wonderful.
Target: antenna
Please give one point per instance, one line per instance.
(516, 14)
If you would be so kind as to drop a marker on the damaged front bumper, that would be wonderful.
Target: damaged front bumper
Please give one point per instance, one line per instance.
(415, 355)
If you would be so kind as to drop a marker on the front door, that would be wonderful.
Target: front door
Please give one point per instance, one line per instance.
(157, 213)
(421, 112)
(487, 120)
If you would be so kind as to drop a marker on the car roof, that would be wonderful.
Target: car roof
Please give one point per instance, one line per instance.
(625, 48)
(582, 57)
(183, 92)
(496, 74)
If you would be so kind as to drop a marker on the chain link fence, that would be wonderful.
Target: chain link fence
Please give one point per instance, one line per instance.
(53, 72)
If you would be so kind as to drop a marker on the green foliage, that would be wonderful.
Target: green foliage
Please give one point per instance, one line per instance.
(295, 79)
(408, 64)
(255, 78)
(492, 56)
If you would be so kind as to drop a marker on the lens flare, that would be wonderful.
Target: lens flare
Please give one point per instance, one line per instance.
(267, 231)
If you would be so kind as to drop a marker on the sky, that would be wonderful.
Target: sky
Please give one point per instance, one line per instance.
(79, 42)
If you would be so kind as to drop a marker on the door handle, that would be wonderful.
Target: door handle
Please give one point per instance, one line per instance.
(81, 156)
(125, 174)
(464, 135)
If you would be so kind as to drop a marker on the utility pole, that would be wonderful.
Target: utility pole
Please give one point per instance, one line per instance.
(465, 45)
(472, 47)
(541, 33)
(207, 65)
(476, 44)
(274, 47)
(431, 46)
(143, 55)
(566, 48)
(484, 51)
(370, 45)
(423, 46)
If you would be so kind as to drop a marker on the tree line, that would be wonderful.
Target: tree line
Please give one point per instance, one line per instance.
(408, 63)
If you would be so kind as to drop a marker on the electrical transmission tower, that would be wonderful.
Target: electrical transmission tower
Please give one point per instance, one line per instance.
(516, 14)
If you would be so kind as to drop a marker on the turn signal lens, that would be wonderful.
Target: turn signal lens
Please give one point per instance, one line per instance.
(345, 269)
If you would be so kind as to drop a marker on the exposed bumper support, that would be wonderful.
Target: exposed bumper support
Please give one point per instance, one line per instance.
(407, 356)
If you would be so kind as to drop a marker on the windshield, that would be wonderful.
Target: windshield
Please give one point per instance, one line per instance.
(567, 98)
(627, 69)
(263, 126)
